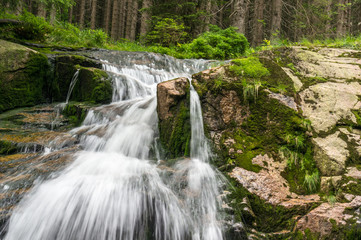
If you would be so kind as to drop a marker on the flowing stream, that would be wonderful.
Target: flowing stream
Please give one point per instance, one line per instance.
(115, 187)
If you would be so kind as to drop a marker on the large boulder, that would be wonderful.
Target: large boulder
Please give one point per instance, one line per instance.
(23, 76)
(174, 117)
(93, 84)
(330, 154)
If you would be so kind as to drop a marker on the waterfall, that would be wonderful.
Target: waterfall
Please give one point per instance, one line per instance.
(71, 86)
(113, 189)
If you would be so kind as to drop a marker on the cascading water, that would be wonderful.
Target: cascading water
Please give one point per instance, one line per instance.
(111, 190)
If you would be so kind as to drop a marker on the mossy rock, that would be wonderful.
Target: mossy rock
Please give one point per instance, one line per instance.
(24, 76)
(174, 119)
(76, 113)
(93, 84)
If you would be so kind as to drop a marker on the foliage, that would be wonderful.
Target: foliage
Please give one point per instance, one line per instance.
(166, 32)
(312, 181)
(249, 67)
(217, 44)
(61, 33)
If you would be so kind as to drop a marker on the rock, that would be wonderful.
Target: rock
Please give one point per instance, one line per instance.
(330, 183)
(168, 95)
(326, 63)
(269, 185)
(296, 81)
(93, 84)
(174, 116)
(353, 172)
(330, 154)
(321, 219)
(23, 76)
(327, 103)
(285, 100)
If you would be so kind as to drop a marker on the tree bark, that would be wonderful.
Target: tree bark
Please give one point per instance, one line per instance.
(115, 20)
(258, 23)
(41, 10)
(145, 18)
(70, 15)
(276, 19)
(207, 18)
(93, 15)
(134, 20)
(128, 21)
(122, 18)
(52, 13)
(328, 10)
(239, 15)
(106, 19)
(81, 13)
(340, 27)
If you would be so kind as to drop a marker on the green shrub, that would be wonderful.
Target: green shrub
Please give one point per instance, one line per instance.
(218, 44)
(32, 28)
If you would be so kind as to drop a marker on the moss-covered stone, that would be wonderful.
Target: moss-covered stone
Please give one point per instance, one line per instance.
(93, 84)
(24, 76)
(174, 117)
(76, 113)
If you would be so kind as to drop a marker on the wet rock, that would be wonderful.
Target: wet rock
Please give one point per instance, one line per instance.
(23, 76)
(174, 116)
(93, 84)
(330, 154)
(168, 95)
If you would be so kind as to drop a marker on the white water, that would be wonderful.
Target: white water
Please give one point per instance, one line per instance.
(72, 84)
(111, 190)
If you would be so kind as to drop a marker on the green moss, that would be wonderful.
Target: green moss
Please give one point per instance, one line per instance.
(7, 148)
(23, 86)
(267, 217)
(93, 84)
(248, 67)
(175, 132)
(76, 113)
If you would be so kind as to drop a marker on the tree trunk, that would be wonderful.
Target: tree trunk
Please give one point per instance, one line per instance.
(115, 20)
(239, 15)
(340, 27)
(328, 10)
(134, 20)
(70, 15)
(145, 18)
(81, 13)
(122, 18)
(128, 19)
(276, 19)
(93, 15)
(52, 14)
(207, 19)
(106, 20)
(41, 10)
(258, 23)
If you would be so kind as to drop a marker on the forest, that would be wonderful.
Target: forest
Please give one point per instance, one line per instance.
(171, 23)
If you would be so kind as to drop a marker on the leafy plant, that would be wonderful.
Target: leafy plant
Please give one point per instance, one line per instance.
(312, 181)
